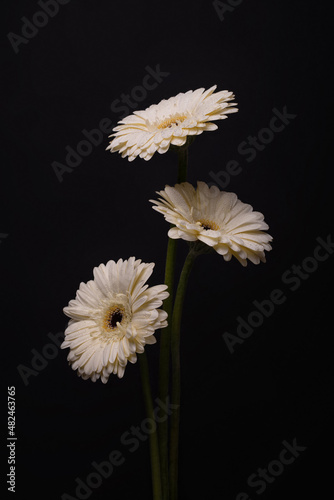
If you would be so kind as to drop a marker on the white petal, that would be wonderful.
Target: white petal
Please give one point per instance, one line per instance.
(236, 229)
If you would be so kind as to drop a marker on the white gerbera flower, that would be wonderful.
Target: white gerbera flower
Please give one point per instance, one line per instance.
(170, 122)
(112, 318)
(217, 218)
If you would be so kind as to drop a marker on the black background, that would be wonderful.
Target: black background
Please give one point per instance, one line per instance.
(236, 408)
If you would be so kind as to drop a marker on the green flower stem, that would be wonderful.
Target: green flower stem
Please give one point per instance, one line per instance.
(164, 363)
(182, 164)
(176, 375)
(154, 445)
(166, 336)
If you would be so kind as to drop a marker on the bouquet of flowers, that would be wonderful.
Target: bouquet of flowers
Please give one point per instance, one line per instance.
(115, 315)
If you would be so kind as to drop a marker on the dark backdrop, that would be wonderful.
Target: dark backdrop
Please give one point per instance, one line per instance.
(238, 407)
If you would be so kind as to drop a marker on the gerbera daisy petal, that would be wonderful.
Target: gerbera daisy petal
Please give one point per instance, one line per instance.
(170, 122)
(217, 218)
(112, 318)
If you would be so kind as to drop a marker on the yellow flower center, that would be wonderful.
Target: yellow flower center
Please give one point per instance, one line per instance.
(209, 224)
(169, 122)
(113, 316)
